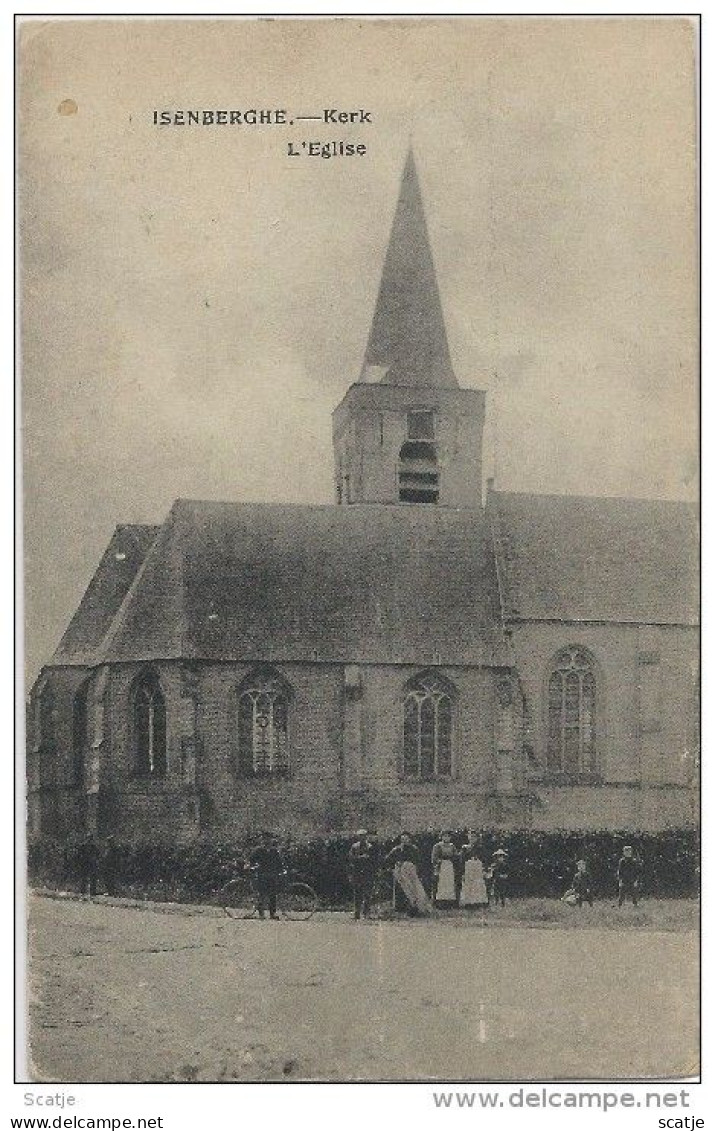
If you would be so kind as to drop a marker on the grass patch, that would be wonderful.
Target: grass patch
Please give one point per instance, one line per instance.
(650, 915)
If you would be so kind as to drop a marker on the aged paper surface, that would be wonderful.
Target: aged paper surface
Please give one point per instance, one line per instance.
(469, 602)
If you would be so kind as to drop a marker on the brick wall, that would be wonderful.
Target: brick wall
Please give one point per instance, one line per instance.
(346, 737)
(645, 701)
(381, 796)
(56, 803)
(365, 755)
(306, 801)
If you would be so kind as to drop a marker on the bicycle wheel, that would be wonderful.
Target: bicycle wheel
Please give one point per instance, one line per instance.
(237, 899)
(298, 901)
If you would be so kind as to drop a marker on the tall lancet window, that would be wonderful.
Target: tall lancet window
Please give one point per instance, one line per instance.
(80, 733)
(149, 726)
(418, 474)
(263, 747)
(428, 707)
(572, 713)
(44, 725)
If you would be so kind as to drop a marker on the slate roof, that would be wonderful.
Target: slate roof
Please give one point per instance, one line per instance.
(408, 341)
(105, 593)
(252, 582)
(566, 557)
(380, 584)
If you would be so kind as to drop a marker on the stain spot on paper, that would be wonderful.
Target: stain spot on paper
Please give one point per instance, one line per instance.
(67, 107)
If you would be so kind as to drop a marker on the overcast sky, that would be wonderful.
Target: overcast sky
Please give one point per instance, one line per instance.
(196, 302)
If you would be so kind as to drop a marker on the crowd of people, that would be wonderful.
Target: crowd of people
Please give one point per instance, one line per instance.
(460, 876)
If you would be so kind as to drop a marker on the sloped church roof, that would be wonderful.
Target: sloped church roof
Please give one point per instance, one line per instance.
(380, 584)
(271, 582)
(576, 558)
(105, 594)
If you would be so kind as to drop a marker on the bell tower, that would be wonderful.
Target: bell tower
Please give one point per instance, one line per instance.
(406, 432)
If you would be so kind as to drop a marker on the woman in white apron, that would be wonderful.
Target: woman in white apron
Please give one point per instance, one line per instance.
(474, 889)
(445, 863)
(407, 892)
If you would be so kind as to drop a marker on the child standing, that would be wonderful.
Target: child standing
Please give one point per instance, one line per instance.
(582, 884)
(499, 872)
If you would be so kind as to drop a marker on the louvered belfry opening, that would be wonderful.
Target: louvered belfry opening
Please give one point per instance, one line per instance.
(418, 472)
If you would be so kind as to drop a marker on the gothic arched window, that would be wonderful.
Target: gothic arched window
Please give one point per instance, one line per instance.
(263, 746)
(428, 709)
(149, 726)
(572, 713)
(80, 733)
(44, 727)
(418, 474)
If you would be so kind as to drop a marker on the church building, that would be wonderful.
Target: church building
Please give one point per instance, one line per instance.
(410, 657)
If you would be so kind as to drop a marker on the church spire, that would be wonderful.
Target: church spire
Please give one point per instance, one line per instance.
(408, 342)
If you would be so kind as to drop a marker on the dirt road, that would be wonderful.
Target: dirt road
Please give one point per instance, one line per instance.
(123, 994)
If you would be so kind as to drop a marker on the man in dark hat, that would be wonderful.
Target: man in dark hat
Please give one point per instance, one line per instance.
(628, 874)
(266, 865)
(362, 871)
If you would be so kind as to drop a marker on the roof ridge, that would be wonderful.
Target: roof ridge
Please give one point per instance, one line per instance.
(138, 526)
(595, 498)
(180, 505)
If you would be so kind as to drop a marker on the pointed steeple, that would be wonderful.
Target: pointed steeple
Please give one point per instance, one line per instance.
(408, 341)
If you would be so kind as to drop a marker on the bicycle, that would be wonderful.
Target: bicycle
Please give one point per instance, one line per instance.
(296, 899)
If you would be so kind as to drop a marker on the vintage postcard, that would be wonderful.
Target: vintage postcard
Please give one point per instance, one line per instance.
(359, 371)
